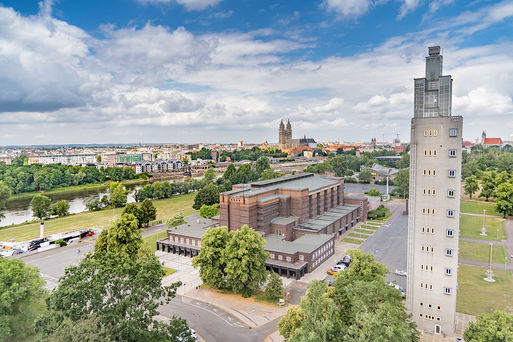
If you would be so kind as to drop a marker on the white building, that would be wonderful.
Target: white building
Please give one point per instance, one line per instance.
(434, 207)
(68, 159)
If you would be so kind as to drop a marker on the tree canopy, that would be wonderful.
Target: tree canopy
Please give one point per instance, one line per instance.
(209, 211)
(123, 237)
(360, 307)
(40, 206)
(118, 195)
(20, 288)
(496, 327)
(118, 294)
(209, 195)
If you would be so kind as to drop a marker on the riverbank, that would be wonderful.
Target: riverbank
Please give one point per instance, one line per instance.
(104, 218)
(72, 189)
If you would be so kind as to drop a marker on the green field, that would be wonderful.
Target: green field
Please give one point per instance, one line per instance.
(477, 208)
(168, 271)
(476, 296)
(355, 241)
(481, 251)
(104, 218)
(151, 240)
(470, 227)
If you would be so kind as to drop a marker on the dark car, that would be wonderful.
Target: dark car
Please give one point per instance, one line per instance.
(346, 260)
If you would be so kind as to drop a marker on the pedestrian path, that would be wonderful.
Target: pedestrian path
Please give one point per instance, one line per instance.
(500, 267)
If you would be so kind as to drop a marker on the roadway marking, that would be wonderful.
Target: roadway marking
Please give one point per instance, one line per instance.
(206, 306)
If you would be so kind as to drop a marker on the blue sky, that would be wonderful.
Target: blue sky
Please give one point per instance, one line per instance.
(222, 71)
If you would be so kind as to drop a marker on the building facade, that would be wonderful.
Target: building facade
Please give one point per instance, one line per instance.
(68, 159)
(299, 216)
(434, 207)
(286, 142)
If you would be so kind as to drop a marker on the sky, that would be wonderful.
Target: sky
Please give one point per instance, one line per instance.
(220, 71)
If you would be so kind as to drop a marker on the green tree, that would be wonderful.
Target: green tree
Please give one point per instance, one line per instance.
(261, 165)
(496, 327)
(211, 259)
(5, 193)
(61, 208)
(118, 195)
(245, 260)
(274, 287)
(149, 212)
(89, 329)
(123, 293)
(40, 206)
(209, 211)
(402, 182)
(231, 170)
(404, 162)
(21, 288)
(291, 321)
(365, 176)
(209, 176)
(319, 316)
(92, 203)
(374, 192)
(471, 185)
(133, 208)
(504, 201)
(488, 186)
(270, 174)
(176, 220)
(208, 195)
(123, 238)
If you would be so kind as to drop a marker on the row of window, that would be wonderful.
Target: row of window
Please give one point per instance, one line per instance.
(280, 257)
(447, 271)
(428, 249)
(185, 240)
(453, 132)
(433, 153)
(430, 306)
(447, 290)
(428, 230)
(430, 317)
(450, 192)
(431, 211)
(429, 172)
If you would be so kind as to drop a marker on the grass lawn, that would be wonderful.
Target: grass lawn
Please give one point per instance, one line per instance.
(477, 208)
(470, 227)
(151, 240)
(476, 296)
(361, 236)
(103, 218)
(365, 231)
(168, 271)
(355, 241)
(366, 226)
(480, 252)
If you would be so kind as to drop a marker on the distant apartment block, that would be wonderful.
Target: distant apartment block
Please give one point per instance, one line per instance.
(68, 159)
(158, 166)
(298, 215)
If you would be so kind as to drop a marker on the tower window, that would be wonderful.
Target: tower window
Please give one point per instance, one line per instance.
(450, 193)
(447, 290)
(448, 252)
(453, 132)
(452, 173)
(448, 272)
(450, 213)
(449, 232)
(452, 153)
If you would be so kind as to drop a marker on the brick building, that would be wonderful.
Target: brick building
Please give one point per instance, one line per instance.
(298, 215)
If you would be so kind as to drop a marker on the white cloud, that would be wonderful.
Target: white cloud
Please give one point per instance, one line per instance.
(483, 101)
(408, 6)
(348, 8)
(190, 5)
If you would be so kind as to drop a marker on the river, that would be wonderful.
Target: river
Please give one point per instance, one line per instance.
(19, 211)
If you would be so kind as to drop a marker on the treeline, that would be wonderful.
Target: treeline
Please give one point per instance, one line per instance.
(486, 159)
(27, 178)
(250, 154)
(347, 164)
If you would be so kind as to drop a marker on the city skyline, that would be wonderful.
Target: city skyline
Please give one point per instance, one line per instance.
(209, 70)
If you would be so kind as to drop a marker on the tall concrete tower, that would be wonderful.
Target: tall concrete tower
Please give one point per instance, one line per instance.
(434, 206)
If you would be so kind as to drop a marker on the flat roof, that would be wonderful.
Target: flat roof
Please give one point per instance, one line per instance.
(305, 244)
(283, 221)
(272, 197)
(306, 181)
(327, 218)
(194, 229)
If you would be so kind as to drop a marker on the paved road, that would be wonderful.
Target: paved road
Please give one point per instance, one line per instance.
(389, 243)
(501, 267)
(214, 324)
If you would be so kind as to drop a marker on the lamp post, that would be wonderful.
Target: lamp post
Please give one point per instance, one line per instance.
(489, 272)
(483, 229)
